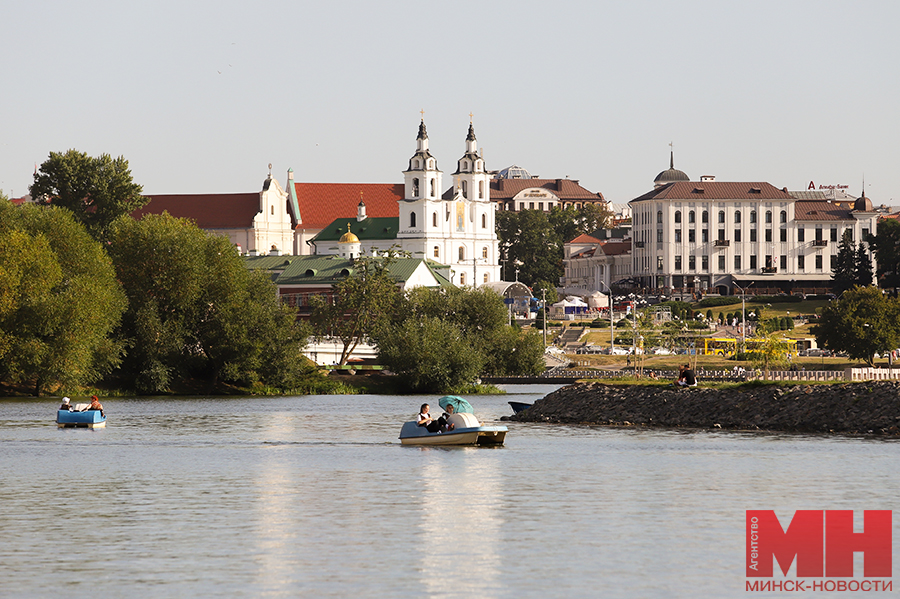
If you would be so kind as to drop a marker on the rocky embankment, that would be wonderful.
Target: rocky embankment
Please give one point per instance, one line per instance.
(851, 408)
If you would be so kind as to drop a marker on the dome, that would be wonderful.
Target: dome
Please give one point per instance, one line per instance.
(348, 237)
(671, 174)
(863, 204)
(514, 172)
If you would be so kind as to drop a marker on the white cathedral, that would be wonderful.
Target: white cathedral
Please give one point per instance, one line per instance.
(454, 228)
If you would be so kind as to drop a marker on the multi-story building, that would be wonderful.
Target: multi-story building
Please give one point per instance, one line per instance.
(723, 236)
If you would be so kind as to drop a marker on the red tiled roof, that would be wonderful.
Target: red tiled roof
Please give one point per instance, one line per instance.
(565, 189)
(209, 211)
(322, 203)
(616, 248)
(813, 210)
(715, 190)
(585, 238)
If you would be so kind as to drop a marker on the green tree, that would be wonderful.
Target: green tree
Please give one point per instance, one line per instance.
(530, 245)
(843, 272)
(863, 266)
(360, 304)
(886, 245)
(97, 190)
(196, 311)
(862, 322)
(570, 222)
(59, 300)
(770, 351)
(429, 355)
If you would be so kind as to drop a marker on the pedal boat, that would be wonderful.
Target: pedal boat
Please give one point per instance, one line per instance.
(80, 419)
(466, 431)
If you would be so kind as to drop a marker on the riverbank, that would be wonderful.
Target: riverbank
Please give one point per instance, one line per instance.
(851, 408)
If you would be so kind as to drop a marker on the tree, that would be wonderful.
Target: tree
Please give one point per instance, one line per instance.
(862, 322)
(886, 245)
(196, 311)
(97, 190)
(530, 245)
(863, 266)
(59, 300)
(359, 305)
(843, 272)
(771, 350)
(570, 222)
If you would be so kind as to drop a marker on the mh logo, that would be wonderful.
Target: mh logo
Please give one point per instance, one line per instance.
(822, 541)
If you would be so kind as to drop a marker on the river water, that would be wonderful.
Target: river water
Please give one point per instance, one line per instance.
(315, 497)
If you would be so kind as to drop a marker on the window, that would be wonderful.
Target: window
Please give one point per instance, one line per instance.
(704, 235)
(412, 219)
(769, 263)
(462, 253)
(849, 233)
(704, 262)
(677, 235)
(865, 235)
(768, 235)
(416, 187)
(465, 189)
(484, 221)
(721, 216)
(818, 261)
(692, 235)
(752, 235)
(485, 277)
(692, 262)
(678, 216)
(721, 235)
(691, 217)
(818, 234)
(437, 251)
(659, 263)
(659, 236)
(434, 219)
(783, 234)
(768, 216)
(462, 278)
(721, 262)
(737, 235)
(801, 234)
(481, 190)
(753, 216)
(432, 188)
(484, 252)
(783, 263)
(677, 262)
(531, 205)
(752, 262)
(659, 216)
(737, 262)
(737, 217)
(782, 218)
(833, 234)
(801, 262)
(704, 217)
(541, 206)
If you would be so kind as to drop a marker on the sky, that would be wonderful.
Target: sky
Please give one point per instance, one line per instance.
(200, 97)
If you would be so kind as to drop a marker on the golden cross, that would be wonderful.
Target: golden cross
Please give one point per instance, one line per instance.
(470, 117)
(422, 112)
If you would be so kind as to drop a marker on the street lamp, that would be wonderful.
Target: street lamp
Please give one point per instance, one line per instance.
(743, 315)
(612, 335)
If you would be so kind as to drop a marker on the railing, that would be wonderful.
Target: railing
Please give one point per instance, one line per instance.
(769, 270)
(638, 244)
(820, 243)
(722, 243)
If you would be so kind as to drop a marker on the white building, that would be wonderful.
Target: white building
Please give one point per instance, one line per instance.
(593, 264)
(727, 236)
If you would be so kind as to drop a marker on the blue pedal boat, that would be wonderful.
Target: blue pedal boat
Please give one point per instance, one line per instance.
(83, 419)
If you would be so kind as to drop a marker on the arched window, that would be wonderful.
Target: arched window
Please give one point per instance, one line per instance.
(721, 216)
(484, 221)
(431, 164)
(783, 216)
(480, 188)
(437, 251)
(412, 219)
(465, 189)
(434, 219)
(416, 164)
(678, 216)
(768, 216)
(416, 187)
(659, 216)
(485, 277)
(691, 217)
(462, 253)
(737, 217)
(462, 279)
(432, 187)
(273, 210)
(484, 252)
(705, 216)
(753, 216)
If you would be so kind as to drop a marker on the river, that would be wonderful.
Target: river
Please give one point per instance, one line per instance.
(315, 497)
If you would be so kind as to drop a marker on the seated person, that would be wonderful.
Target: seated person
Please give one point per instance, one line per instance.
(446, 417)
(432, 425)
(687, 378)
(96, 405)
(66, 406)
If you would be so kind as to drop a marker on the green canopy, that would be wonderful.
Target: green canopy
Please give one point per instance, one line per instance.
(458, 403)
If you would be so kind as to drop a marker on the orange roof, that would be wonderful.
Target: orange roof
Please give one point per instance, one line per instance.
(565, 189)
(716, 190)
(616, 248)
(209, 211)
(584, 238)
(321, 204)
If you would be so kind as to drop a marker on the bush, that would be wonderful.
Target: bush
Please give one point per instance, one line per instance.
(725, 300)
(780, 299)
(599, 323)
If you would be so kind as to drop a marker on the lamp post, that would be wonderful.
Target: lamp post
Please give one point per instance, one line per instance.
(743, 316)
(612, 334)
(544, 305)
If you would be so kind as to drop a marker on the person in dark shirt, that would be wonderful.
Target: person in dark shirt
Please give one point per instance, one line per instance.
(687, 378)
(65, 407)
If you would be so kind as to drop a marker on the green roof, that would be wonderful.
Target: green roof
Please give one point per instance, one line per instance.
(370, 229)
(327, 270)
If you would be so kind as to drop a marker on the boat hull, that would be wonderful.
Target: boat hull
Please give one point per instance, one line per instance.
(413, 434)
(86, 419)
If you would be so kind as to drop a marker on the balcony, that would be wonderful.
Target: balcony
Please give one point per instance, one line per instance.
(769, 270)
(820, 243)
(638, 244)
(722, 243)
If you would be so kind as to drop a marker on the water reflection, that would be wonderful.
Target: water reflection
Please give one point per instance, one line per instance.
(461, 520)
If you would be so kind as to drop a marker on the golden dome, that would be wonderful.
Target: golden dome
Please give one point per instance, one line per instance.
(348, 237)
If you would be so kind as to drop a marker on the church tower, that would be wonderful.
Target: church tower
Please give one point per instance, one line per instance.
(422, 179)
(473, 180)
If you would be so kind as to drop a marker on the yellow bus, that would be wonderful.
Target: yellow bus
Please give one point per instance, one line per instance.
(728, 346)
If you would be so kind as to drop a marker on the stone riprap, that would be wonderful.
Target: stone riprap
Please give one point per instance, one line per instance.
(851, 408)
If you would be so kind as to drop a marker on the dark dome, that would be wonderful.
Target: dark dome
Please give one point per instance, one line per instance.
(863, 204)
(670, 175)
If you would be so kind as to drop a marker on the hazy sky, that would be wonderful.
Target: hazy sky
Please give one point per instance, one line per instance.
(201, 96)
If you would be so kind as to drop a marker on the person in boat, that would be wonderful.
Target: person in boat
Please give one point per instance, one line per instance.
(446, 418)
(66, 406)
(432, 425)
(96, 405)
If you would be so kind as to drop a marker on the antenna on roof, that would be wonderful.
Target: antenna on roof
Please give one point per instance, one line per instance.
(270, 170)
